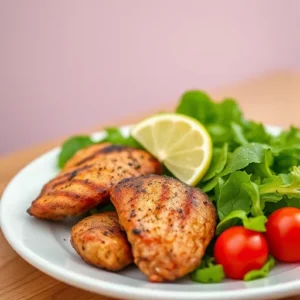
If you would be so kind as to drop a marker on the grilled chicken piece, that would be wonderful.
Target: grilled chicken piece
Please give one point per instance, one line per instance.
(88, 179)
(89, 152)
(99, 240)
(168, 224)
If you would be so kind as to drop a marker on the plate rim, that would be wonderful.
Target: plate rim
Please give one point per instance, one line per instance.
(124, 291)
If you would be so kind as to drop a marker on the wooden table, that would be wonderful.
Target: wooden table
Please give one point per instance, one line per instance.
(273, 99)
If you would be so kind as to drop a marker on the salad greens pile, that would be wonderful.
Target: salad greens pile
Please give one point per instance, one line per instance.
(252, 172)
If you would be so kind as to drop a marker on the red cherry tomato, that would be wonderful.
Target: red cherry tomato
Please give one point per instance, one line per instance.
(240, 250)
(283, 234)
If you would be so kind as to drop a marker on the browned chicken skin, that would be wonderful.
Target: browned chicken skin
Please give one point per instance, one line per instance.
(87, 179)
(99, 240)
(86, 153)
(168, 224)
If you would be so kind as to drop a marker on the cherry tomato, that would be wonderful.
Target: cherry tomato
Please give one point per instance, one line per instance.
(240, 250)
(283, 234)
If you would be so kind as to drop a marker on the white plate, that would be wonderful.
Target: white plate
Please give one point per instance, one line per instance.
(46, 246)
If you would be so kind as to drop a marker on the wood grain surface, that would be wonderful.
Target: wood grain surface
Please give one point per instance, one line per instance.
(272, 99)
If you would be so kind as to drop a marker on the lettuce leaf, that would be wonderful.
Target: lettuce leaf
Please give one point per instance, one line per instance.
(283, 184)
(243, 156)
(252, 223)
(218, 162)
(199, 106)
(263, 272)
(71, 146)
(238, 193)
(208, 271)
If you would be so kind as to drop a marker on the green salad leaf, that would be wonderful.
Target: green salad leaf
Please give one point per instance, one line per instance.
(218, 162)
(209, 185)
(71, 146)
(256, 132)
(208, 272)
(293, 202)
(238, 134)
(199, 106)
(238, 217)
(262, 169)
(270, 207)
(243, 156)
(282, 184)
(263, 272)
(228, 111)
(234, 194)
(286, 148)
(232, 219)
(221, 119)
(286, 159)
(256, 223)
(287, 139)
(114, 136)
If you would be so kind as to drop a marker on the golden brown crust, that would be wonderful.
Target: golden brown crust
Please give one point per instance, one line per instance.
(88, 178)
(84, 153)
(168, 223)
(99, 240)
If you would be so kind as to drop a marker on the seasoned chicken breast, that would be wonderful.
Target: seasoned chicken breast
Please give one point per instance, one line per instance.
(88, 178)
(168, 224)
(91, 153)
(99, 240)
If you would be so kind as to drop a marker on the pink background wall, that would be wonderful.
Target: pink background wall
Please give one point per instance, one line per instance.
(71, 65)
